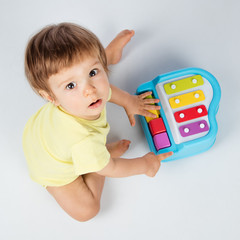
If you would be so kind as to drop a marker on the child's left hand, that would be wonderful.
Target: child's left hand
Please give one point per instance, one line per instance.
(137, 104)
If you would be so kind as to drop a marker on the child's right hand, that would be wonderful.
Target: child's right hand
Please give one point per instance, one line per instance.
(153, 162)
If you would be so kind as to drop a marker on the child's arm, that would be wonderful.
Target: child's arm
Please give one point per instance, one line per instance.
(148, 164)
(134, 104)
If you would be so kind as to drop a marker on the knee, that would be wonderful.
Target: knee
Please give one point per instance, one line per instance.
(87, 213)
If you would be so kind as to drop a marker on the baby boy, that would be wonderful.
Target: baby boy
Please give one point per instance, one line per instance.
(65, 141)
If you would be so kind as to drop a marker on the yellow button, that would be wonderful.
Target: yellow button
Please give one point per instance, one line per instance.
(186, 99)
(156, 112)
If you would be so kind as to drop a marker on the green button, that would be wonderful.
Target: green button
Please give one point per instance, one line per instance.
(183, 84)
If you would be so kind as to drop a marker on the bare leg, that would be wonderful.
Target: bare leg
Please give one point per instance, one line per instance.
(115, 47)
(78, 199)
(95, 183)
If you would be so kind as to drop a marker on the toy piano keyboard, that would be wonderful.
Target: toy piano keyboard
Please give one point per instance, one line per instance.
(186, 123)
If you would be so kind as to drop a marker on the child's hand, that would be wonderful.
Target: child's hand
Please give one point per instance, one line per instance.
(154, 162)
(137, 104)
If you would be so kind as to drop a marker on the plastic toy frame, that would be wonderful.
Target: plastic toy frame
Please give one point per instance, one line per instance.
(195, 146)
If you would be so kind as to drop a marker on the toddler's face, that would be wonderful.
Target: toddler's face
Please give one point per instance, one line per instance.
(81, 90)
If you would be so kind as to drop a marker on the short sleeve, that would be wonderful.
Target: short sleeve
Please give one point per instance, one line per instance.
(89, 155)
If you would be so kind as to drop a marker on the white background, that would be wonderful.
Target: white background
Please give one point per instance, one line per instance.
(193, 198)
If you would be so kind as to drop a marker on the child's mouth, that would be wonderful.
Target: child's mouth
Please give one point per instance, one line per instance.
(96, 104)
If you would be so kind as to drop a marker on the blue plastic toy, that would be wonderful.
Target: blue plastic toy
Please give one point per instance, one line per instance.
(186, 123)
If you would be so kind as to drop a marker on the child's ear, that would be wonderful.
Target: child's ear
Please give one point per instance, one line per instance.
(46, 96)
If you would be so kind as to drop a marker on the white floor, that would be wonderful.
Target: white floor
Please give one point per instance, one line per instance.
(193, 198)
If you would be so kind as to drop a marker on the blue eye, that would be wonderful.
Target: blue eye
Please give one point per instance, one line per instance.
(93, 73)
(71, 85)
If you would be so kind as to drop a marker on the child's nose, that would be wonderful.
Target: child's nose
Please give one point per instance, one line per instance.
(89, 90)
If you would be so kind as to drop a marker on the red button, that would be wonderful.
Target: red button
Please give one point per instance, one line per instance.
(156, 126)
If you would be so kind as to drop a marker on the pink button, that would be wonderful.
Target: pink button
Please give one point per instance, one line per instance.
(161, 141)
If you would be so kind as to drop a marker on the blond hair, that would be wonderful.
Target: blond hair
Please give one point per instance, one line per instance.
(57, 47)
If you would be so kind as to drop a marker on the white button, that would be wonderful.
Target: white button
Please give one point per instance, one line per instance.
(196, 95)
(186, 130)
(173, 86)
(202, 125)
(199, 110)
(181, 115)
(177, 100)
(194, 81)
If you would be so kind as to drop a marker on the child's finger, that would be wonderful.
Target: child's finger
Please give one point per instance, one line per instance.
(152, 113)
(131, 120)
(146, 113)
(152, 107)
(164, 155)
(151, 100)
(143, 95)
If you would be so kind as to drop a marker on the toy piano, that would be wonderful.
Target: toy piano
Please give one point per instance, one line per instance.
(186, 123)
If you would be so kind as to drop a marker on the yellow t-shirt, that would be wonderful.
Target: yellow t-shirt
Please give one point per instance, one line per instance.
(59, 147)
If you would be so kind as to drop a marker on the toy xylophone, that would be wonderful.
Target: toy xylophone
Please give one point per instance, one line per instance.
(186, 123)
